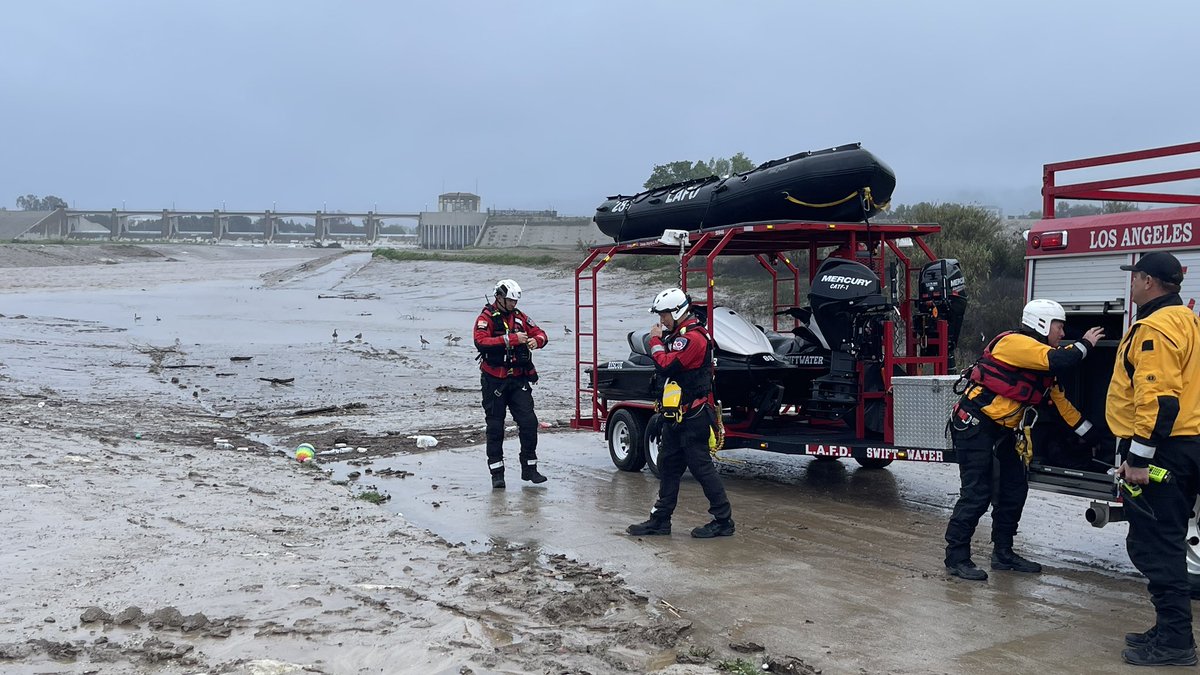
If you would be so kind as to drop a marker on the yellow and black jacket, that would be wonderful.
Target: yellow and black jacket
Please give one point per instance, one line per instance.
(1040, 362)
(1154, 393)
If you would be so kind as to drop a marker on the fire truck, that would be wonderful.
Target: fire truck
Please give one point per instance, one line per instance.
(1076, 261)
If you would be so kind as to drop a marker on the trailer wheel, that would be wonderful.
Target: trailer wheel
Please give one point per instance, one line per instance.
(651, 445)
(873, 463)
(626, 434)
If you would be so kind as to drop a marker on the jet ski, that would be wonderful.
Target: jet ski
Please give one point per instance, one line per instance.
(745, 363)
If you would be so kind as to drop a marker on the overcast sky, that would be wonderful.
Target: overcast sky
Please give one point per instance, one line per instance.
(558, 104)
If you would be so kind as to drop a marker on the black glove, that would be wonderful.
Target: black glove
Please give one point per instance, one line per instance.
(1094, 436)
(654, 428)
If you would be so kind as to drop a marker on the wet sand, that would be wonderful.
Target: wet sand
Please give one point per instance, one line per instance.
(117, 378)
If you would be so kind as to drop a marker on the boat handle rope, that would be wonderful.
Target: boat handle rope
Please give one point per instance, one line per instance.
(868, 200)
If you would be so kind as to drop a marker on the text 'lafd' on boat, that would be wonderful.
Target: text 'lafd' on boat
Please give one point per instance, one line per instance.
(842, 184)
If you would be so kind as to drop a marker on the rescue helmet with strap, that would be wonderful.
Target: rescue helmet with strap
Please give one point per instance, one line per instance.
(1039, 315)
(672, 300)
(508, 289)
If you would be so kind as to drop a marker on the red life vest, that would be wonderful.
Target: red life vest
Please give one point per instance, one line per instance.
(1016, 384)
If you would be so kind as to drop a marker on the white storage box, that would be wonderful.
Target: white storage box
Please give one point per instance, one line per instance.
(921, 408)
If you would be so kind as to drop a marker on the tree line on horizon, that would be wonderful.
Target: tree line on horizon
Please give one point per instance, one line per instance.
(684, 170)
(35, 203)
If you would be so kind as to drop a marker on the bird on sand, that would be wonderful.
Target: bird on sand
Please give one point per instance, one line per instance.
(424, 342)
(454, 340)
(157, 317)
(566, 330)
(136, 317)
(335, 335)
(449, 339)
(358, 338)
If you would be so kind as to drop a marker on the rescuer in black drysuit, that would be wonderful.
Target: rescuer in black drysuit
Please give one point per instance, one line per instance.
(506, 338)
(989, 427)
(682, 353)
(1153, 409)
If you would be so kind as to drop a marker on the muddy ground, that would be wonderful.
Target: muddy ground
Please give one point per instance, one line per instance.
(155, 522)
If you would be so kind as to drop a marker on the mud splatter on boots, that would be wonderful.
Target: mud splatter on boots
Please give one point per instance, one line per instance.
(716, 528)
(650, 527)
(1003, 558)
(530, 473)
(966, 569)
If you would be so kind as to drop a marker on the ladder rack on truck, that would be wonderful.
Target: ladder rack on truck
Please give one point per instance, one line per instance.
(784, 397)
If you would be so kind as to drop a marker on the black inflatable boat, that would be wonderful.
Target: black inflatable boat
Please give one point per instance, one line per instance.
(842, 184)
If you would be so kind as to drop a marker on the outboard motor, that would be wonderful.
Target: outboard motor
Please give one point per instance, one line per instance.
(942, 294)
(846, 304)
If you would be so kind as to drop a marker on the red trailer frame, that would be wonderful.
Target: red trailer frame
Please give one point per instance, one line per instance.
(770, 243)
(1104, 190)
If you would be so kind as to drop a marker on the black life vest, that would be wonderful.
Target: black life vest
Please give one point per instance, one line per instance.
(697, 382)
(1016, 384)
(506, 357)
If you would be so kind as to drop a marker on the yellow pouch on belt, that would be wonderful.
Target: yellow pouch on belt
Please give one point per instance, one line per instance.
(1025, 444)
(671, 396)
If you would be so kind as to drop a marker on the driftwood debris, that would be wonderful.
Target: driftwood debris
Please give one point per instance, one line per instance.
(278, 380)
(331, 408)
(189, 365)
(160, 354)
(240, 358)
(348, 296)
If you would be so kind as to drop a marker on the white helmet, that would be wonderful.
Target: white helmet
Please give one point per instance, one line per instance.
(507, 288)
(1039, 314)
(672, 300)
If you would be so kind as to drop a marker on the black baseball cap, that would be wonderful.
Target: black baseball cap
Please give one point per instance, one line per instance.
(1162, 266)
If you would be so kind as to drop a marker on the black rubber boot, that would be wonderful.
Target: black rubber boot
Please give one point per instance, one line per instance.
(650, 527)
(530, 473)
(716, 528)
(1138, 640)
(498, 480)
(966, 570)
(1003, 558)
(1154, 654)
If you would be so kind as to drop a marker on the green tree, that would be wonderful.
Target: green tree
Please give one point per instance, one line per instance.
(740, 163)
(34, 203)
(1119, 207)
(993, 264)
(720, 166)
(677, 172)
(1073, 209)
(673, 172)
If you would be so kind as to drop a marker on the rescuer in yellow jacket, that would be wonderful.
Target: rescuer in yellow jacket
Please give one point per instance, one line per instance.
(1153, 409)
(1016, 373)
